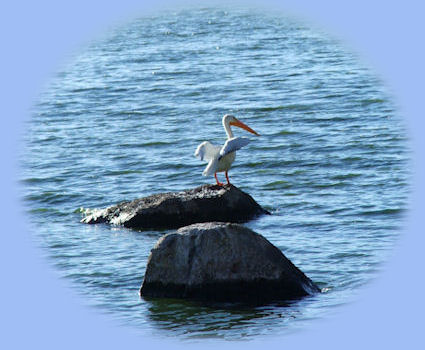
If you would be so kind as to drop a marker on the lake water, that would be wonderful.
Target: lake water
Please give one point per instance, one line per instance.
(123, 119)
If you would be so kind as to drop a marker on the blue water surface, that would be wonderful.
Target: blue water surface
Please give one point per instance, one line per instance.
(123, 119)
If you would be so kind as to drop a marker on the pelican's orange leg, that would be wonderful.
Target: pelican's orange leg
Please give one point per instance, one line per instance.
(218, 182)
(227, 178)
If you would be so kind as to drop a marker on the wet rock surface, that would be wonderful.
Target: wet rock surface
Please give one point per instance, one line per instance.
(176, 209)
(222, 262)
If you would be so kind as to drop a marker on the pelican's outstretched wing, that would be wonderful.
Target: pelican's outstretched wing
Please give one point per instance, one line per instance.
(207, 151)
(233, 145)
(211, 168)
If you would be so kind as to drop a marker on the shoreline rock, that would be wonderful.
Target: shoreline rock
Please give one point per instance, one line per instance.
(176, 209)
(222, 262)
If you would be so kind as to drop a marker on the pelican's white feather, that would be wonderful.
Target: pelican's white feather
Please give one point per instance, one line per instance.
(207, 151)
(211, 167)
(233, 144)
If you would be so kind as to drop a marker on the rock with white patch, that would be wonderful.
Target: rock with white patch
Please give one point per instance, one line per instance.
(176, 209)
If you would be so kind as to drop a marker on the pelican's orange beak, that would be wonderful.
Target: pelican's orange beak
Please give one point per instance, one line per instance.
(239, 124)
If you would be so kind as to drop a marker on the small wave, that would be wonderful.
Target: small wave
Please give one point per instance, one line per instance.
(96, 274)
(344, 255)
(137, 60)
(122, 172)
(294, 204)
(330, 185)
(337, 211)
(286, 132)
(370, 101)
(382, 212)
(49, 197)
(345, 176)
(145, 144)
(254, 164)
(330, 119)
(39, 180)
(131, 112)
(270, 147)
(290, 194)
(294, 74)
(60, 245)
(278, 184)
(154, 143)
(169, 166)
(88, 89)
(290, 107)
(48, 139)
(47, 211)
(332, 96)
(350, 159)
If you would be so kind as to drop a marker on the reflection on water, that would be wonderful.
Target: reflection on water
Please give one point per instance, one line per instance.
(206, 320)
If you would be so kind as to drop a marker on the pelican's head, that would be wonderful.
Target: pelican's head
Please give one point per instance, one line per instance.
(231, 120)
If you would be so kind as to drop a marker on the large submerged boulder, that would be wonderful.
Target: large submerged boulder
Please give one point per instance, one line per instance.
(222, 262)
(176, 209)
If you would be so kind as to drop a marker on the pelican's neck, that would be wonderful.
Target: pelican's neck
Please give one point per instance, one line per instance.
(228, 130)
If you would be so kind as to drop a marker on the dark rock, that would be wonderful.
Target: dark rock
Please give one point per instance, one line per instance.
(222, 262)
(176, 209)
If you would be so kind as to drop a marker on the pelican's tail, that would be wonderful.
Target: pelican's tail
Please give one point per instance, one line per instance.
(211, 167)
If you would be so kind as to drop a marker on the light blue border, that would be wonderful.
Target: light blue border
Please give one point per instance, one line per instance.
(38, 310)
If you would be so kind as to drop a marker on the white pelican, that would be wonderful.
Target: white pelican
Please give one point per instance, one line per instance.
(221, 158)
